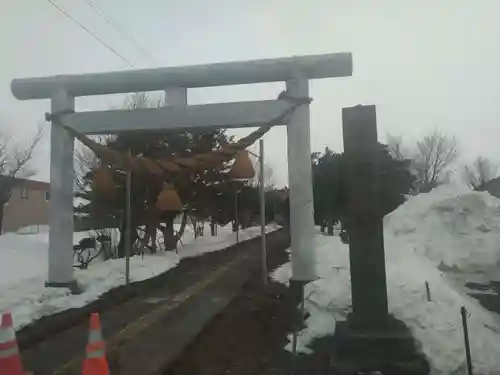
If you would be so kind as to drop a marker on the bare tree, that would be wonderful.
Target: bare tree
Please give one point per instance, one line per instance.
(269, 181)
(480, 172)
(85, 161)
(15, 161)
(433, 157)
(143, 100)
(268, 173)
(268, 177)
(395, 147)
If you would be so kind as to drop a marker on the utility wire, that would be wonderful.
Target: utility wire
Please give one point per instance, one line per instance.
(111, 49)
(97, 9)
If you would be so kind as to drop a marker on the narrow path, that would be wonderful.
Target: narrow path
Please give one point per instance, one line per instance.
(489, 300)
(248, 337)
(481, 284)
(198, 288)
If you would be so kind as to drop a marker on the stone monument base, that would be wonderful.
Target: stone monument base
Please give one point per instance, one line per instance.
(390, 349)
(73, 286)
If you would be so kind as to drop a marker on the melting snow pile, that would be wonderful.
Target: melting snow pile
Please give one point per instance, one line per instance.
(449, 226)
(23, 271)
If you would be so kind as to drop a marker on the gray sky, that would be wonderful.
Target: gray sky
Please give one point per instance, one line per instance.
(425, 63)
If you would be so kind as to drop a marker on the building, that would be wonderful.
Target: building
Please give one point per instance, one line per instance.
(493, 187)
(28, 205)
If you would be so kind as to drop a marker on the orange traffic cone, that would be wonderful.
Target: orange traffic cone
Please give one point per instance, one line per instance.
(10, 361)
(95, 363)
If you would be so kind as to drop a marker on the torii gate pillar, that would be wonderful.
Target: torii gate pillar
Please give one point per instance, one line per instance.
(60, 268)
(299, 175)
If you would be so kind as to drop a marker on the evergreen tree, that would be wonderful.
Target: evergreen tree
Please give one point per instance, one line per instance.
(330, 193)
(200, 192)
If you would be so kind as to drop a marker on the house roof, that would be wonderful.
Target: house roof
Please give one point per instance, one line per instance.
(27, 183)
(493, 187)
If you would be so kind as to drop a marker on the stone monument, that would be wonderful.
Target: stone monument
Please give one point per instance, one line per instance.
(370, 339)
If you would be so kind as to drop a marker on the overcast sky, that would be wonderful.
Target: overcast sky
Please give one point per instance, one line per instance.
(425, 64)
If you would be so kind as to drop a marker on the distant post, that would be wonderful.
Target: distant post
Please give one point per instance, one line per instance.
(128, 226)
(262, 213)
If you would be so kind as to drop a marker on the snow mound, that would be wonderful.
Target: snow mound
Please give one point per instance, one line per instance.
(448, 226)
(451, 226)
(20, 255)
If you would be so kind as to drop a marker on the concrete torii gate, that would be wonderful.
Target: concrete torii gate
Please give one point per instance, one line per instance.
(62, 91)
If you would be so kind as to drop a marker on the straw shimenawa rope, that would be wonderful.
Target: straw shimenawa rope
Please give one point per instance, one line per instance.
(158, 167)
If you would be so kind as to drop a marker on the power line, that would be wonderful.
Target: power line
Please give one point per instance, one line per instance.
(97, 9)
(111, 49)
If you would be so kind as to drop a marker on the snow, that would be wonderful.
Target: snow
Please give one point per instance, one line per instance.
(452, 225)
(449, 226)
(23, 271)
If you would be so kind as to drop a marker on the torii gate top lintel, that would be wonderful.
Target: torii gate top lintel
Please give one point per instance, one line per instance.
(208, 75)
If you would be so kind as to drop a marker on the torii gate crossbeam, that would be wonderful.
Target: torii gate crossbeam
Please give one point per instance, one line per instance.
(62, 91)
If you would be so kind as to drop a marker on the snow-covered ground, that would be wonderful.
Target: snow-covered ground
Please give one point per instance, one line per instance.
(450, 226)
(23, 271)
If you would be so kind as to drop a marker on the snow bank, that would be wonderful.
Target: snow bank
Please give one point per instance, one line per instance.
(23, 271)
(451, 224)
(448, 225)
